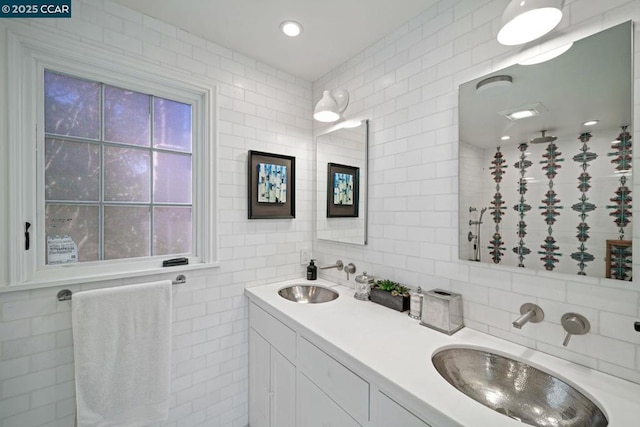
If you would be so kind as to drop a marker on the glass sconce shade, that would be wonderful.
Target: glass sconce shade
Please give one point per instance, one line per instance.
(332, 104)
(527, 20)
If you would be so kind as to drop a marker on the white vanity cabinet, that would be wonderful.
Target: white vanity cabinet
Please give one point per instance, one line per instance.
(316, 409)
(293, 381)
(272, 373)
(349, 363)
(344, 395)
(389, 413)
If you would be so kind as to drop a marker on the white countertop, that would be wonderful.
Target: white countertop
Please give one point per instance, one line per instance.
(398, 349)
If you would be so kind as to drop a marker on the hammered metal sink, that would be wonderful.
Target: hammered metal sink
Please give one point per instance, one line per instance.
(308, 294)
(516, 389)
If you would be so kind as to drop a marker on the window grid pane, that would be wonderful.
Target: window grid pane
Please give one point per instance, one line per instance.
(127, 231)
(125, 213)
(72, 170)
(72, 106)
(172, 230)
(171, 125)
(126, 174)
(79, 222)
(126, 116)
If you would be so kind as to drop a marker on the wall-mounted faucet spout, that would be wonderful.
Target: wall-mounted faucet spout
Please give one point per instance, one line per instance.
(530, 313)
(339, 265)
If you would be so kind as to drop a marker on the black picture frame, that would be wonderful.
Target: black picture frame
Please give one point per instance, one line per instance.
(272, 209)
(337, 210)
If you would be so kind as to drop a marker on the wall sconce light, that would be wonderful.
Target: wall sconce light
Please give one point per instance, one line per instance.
(527, 20)
(332, 104)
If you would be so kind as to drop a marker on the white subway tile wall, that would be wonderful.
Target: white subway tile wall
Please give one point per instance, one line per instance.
(406, 84)
(260, 108)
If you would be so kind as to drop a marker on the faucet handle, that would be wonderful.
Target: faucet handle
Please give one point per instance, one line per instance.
(349, 269)
(574, 324)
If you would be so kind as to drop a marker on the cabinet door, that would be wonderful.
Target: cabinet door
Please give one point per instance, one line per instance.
(279, 335)
(259, 380)
(283, 387)
(344, 386)
(316, 409)
(390, 413)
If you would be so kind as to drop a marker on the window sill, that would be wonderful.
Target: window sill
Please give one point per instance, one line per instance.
(103, 277)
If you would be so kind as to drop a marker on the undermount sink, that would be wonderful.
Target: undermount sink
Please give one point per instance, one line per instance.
(308, 294)
(516, 389)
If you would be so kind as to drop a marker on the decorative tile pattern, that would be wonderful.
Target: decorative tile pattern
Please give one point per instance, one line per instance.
(550, 206)
(621, 260)
(622, 201)
(522, 207)
(583, 206)
(496, 245)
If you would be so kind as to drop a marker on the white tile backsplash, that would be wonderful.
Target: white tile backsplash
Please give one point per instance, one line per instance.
(454, 42)
(619, 301)
(617, 326)
(529, 284)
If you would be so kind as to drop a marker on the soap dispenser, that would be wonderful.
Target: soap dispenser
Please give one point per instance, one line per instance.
(415, 304)
(312, 271)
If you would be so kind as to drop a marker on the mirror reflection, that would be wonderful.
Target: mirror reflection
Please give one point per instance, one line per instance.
(341, 183)
(545, 161)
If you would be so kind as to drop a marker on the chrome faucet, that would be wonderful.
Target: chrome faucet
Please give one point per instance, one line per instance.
(530, 313)
(339, 265)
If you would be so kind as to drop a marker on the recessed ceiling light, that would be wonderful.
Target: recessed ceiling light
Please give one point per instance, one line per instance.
(505, 138)
(522, 114)
(494, 82)
(523, 111)
(291, 28)
(590, 123)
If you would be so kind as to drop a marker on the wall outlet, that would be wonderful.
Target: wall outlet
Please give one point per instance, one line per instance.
(305, 256)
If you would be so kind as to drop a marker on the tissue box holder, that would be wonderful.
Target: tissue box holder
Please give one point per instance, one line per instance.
(442, 311)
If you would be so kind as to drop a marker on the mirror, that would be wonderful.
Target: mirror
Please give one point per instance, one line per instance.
(341, 183)
(551, 191)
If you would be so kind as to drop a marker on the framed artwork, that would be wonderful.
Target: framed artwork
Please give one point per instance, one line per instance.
(272, 186)
(343, 183)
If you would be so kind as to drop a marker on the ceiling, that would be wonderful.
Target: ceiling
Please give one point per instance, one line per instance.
(334, 30)
(591, 81)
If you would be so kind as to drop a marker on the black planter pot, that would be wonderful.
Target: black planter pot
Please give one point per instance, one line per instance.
(398, 303)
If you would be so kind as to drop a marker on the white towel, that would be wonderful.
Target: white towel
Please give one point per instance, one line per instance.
(122, 354)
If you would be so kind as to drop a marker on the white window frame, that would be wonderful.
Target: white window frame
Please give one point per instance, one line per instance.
(29, 55)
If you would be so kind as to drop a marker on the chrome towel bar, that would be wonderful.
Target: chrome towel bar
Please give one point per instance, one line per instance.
(65, 294)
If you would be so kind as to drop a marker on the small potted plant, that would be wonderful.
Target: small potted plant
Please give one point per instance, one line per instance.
(390, 294)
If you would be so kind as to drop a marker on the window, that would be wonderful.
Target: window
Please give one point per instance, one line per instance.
(122, 174)
(117, 172)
